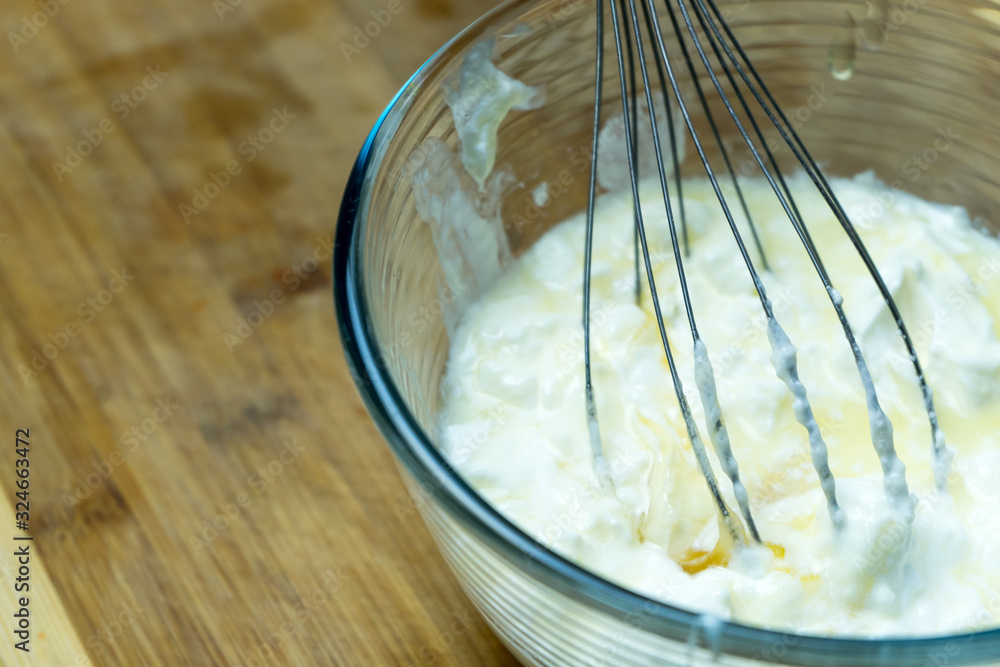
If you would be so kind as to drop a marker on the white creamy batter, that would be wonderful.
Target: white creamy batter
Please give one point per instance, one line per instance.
(514, 421)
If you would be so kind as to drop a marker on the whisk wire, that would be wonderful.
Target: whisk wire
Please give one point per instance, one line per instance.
(672, 134)
(633, 139)
(601, 467)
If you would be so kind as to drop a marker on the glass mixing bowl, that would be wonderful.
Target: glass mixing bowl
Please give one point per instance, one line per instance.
(909, 88)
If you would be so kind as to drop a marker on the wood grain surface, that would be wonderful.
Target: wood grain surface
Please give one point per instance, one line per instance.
(205, 485)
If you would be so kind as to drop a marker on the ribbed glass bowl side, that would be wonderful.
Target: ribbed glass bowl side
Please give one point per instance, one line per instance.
(543, 627)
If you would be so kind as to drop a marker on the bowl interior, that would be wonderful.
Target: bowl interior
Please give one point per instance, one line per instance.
(907, 89)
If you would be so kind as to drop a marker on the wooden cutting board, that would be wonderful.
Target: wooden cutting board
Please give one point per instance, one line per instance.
(205, 486)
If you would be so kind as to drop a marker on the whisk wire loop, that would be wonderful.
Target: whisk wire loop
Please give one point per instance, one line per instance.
(730, 58)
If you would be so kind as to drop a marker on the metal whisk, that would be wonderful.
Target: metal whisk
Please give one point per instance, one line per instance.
(637, 21)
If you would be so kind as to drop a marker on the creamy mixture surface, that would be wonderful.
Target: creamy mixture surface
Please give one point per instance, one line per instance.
(514, 420)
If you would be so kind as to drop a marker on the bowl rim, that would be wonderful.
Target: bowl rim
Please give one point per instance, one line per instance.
(413, 448)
